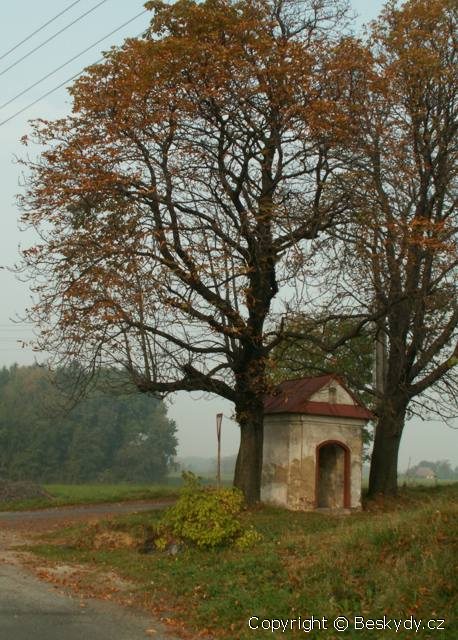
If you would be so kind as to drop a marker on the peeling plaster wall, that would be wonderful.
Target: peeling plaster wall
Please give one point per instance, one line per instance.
(290, 442)
(275, 470)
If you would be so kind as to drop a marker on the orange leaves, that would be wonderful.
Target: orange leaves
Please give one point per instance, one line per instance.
(197, 162)
(418, 45)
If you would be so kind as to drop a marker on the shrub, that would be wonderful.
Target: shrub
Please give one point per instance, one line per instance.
(202, 516)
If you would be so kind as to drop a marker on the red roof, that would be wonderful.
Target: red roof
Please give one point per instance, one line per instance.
(293, 396)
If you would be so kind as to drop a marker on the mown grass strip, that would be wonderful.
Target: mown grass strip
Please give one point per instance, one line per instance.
(398, 559)
(66, 495)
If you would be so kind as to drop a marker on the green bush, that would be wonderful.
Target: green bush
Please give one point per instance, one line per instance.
(203, 516)
(249, 538)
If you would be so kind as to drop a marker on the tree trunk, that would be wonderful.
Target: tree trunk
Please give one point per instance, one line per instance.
(383, 478)
(248, 466)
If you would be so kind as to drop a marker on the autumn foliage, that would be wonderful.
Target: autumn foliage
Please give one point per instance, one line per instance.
(399, 251)
(196, 160)
(178, 203)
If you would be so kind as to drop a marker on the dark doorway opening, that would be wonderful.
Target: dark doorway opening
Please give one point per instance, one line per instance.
(332, 476)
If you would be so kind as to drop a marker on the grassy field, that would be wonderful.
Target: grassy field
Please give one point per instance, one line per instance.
(397, 558)
(75, 494)
(66, 494)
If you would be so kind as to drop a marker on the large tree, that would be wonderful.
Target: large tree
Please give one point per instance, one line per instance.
(397, 260)
(315, 346)
(174, 202)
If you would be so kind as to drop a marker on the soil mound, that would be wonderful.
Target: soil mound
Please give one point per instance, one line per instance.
(12, 491)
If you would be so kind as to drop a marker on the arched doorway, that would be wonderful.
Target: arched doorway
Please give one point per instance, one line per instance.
(332, 487)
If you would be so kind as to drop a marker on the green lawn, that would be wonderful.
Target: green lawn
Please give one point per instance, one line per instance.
(73, 494)
(397, 558)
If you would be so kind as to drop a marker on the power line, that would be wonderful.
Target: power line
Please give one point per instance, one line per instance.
(59, 86)
(16, 46)
(51, 73)
(83, 15)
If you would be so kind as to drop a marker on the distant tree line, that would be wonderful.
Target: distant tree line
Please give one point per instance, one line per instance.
(110, 435)
(206, 467)
(441, 469)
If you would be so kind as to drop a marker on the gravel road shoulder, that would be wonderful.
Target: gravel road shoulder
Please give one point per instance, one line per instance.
(48, 601)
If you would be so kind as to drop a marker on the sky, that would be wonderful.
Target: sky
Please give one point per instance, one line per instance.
(195, 414)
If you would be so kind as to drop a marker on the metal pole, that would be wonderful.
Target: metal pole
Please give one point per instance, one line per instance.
(219, 419)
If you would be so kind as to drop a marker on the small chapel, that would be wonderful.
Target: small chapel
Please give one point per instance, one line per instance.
(313, 444)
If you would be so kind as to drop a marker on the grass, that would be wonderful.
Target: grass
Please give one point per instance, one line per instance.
(397, 558)
(64, 495)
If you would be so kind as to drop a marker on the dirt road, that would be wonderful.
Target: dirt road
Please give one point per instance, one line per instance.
(31, 608)
(46, 519)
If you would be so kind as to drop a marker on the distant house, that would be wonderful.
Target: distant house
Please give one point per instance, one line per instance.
(312, 456)
(425, 472)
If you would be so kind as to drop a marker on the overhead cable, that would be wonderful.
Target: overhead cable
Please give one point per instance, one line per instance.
(78, 55)
(34, 33)
(53, 36)
(48, 93)
(45, 95)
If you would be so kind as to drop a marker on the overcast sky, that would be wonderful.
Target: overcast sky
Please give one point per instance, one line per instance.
(195, 416)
